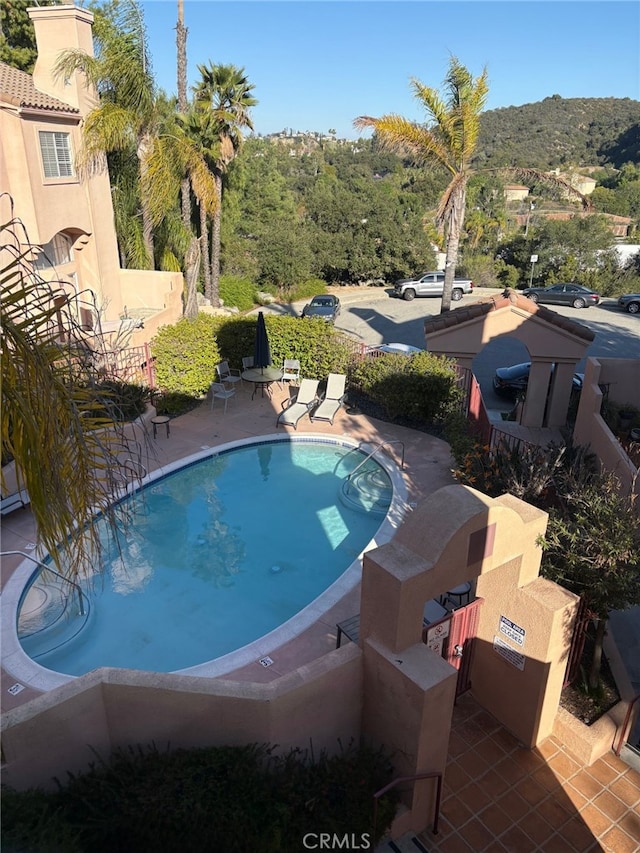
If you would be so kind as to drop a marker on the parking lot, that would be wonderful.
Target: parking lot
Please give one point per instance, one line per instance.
(372, 316)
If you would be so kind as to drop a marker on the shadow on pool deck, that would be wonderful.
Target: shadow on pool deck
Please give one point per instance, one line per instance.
(427, 468)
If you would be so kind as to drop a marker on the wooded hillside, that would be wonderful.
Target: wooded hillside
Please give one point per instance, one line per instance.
(562, 131)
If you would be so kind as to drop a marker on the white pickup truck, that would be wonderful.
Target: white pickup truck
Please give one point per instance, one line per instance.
(431, 284)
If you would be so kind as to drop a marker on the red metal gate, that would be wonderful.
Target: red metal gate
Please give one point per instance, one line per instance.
(453, 638)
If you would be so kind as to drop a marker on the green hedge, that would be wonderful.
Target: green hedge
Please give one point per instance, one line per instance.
(421, 388)
(186, 355)
(319, 348)
(237, 798)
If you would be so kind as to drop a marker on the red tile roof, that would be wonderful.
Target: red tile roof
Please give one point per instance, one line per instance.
(504, 300)
(16, 87)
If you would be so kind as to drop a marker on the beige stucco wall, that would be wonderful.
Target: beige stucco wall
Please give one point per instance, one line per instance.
(320, 703)
(458, 535)
(80, 205)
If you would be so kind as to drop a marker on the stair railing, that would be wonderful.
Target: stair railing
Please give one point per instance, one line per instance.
(417, 777)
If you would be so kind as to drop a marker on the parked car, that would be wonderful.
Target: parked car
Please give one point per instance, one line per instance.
(630, 302)
(563, 294)
(510, 381)
(431, 284)
(398, 349)
(325, 307)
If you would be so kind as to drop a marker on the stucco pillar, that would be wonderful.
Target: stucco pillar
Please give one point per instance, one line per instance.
(537, 390)
(408, 706)
(560, 394)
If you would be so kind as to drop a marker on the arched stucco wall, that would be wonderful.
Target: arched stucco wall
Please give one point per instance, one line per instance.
(549, 337)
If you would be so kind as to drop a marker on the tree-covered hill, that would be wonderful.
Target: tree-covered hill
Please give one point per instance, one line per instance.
(560, 132)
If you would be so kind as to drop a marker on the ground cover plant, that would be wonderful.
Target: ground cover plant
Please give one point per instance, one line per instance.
(236, 798)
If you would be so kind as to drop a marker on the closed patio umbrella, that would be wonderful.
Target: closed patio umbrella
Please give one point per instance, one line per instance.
(261, 351)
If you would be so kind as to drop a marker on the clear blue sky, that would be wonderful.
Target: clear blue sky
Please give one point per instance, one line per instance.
(317, 65)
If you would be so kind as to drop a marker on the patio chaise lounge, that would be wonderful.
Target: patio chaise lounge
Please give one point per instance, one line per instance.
(300, 404)
(333, 399)
(14, 501)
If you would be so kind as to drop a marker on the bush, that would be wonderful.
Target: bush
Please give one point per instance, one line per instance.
(305, 290)
(421, 388)
(186, 355)
(216, 798)
(318, 346)
(238, 292)
(173, 403)
(119, 401)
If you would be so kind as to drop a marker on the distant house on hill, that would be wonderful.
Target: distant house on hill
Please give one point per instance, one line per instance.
(515, 192)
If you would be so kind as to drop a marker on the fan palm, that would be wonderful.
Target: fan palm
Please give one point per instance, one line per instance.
(448, 141)
(225, 92)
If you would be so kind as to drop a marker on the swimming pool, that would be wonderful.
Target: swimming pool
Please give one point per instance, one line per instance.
(265, 546)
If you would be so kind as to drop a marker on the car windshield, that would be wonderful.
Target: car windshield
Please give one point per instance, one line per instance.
(322, 303)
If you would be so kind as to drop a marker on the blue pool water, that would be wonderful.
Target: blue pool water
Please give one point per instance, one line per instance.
(216, 555)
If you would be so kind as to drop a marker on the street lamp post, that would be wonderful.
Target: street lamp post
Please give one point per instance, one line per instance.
(534, 258)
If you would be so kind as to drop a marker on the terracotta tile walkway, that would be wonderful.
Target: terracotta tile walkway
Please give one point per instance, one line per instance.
(499, 796)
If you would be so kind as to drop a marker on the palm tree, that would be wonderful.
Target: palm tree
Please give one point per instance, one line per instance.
(448, 141)
(225, 92)
(66, 453)
(126, 116)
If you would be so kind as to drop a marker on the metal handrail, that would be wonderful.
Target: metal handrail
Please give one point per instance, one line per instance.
(416, 778)
(78, 589)
(373, 453)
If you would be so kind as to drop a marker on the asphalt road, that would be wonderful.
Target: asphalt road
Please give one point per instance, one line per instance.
(372, 316)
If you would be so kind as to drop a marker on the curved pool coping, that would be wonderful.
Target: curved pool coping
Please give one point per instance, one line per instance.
(29, 673)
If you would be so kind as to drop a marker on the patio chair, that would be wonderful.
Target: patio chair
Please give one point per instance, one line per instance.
(333, 399)
(228, 375)
(247, 364)
(221, 392)
(291, 370)
(300, 404)
(14, 501)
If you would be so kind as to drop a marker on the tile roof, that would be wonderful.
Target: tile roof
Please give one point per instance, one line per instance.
(16, 87)
(504, 300)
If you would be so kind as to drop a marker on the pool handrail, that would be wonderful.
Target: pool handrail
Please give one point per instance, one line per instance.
(380, 446)
(78, 589)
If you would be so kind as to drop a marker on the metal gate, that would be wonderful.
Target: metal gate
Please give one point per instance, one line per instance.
(453, 637)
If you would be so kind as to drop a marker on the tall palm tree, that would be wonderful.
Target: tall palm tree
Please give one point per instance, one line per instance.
(126, 115)
(448, 141)
(225, 92)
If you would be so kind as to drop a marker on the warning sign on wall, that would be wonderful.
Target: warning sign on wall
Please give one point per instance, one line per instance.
(512, 631)
(505, 651)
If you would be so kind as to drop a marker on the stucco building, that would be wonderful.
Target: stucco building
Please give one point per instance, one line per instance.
(65, 211)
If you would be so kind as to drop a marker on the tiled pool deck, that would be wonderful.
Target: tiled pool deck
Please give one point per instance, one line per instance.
(498, 796)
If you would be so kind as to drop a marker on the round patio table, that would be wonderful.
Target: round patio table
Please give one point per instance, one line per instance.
(262, 378)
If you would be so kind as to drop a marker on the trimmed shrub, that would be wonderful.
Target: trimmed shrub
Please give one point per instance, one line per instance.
(186, 355)
(421, 388)
(318, 346)
(173, 403)
(118, 401)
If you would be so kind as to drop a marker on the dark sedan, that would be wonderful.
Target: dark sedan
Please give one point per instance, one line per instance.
(324, 307)
(563, 294)
(510, 381)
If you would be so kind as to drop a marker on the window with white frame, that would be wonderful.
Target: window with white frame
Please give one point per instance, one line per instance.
(56, 154)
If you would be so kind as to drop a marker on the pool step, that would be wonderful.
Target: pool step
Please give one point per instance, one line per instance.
(50, 617)
(369, 490)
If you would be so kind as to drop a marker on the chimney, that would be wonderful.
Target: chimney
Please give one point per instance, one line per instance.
(59, 28)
